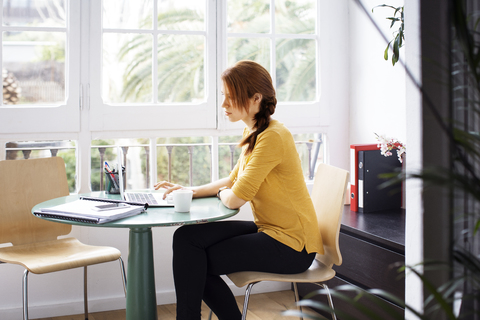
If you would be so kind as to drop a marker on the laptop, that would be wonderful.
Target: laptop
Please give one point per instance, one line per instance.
(154, 199)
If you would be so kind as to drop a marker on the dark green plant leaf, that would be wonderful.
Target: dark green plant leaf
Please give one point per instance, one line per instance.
(399, 34)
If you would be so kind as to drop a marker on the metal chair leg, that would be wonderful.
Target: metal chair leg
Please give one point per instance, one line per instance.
(297, 298)
(330, 301)
(85, 289)
(210, 315)
(85, 292)
(25, 294)
(124, 275)
(247, 297)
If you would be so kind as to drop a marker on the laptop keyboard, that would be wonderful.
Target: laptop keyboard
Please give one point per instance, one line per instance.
(142, 198)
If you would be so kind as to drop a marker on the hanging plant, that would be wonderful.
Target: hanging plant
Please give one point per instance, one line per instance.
(399, 35)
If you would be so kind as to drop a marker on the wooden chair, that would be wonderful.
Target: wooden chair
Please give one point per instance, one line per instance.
(34, 243)
(328, 196)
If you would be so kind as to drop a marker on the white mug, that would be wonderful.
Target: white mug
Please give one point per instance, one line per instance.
(182, 199)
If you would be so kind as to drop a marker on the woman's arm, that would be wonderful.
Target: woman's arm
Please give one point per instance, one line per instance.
(207, 190)
(230, 200)
(211, 189)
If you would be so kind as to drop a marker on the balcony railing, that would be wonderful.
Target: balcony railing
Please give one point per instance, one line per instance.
(12, 148)
(51, 148)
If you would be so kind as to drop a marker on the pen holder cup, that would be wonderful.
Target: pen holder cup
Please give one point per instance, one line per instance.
(112, 182)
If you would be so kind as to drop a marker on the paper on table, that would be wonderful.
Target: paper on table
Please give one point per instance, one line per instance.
(89, 211)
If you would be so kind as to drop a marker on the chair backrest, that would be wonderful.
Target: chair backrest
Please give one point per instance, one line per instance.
(328, 196)
(24, 184)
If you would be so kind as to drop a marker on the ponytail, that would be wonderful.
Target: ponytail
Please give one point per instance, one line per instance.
(262, 120)
(244, 80)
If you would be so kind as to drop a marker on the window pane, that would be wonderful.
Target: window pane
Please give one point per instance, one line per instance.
(39, 13)
(181, 15)
(102, 150)
(125, 14)
(248, 16)
(33, 67)
(136, 161)
(185, 160)
(296, 70)
(65, 149)
(297, 17)
(228, 154)
(257, 49)
(181, 68)
(127, 68)
(311, 150)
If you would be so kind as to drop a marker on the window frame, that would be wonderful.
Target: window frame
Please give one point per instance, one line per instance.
(312, 114)
(51, 118)
(118, 117)
(83, 120)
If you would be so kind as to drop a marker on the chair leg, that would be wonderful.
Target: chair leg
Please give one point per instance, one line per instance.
(330, 301)
(210, 315)
(245, 302)
(297, 298)
(124, 275)
(85, 289)
(85, 292)
(25, 294)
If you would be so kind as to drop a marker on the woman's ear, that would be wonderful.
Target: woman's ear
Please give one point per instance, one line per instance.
(258, 97)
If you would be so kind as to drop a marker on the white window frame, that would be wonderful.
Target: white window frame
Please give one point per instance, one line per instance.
(50, 118)
(120, 117)
(293, 114)
(85, 117)
(104, 117)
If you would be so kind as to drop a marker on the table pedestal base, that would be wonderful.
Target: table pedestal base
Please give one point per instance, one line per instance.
(141, 294)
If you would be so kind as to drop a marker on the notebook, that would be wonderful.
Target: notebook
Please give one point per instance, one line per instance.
(154, 199)
(91, 210)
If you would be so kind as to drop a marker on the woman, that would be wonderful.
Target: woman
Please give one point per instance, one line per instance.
(284, 236)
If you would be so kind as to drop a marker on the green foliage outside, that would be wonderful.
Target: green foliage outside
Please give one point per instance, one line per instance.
(95, 164)
(181, 65)
(70, 167)
(180, 160)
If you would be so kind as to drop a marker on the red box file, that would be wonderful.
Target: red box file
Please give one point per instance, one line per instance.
(354, 148)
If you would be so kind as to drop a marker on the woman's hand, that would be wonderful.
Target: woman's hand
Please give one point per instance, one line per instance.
(167, 185)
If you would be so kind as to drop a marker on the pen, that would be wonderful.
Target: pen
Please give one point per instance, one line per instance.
(107, 168)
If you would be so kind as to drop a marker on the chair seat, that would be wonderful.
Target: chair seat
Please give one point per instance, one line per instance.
(56, 255)
(317, 272)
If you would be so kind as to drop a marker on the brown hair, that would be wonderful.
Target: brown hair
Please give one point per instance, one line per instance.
(243, 80)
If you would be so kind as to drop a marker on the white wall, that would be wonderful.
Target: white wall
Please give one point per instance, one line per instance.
(334, 79)
(377, 89)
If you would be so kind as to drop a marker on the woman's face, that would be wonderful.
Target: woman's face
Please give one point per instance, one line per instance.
(233, 113)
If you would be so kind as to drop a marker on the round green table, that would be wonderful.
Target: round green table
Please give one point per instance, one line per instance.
(141, 293)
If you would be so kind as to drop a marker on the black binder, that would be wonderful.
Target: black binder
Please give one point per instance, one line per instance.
(372, 197)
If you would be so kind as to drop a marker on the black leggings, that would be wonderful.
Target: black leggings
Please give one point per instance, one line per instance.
(203, 252)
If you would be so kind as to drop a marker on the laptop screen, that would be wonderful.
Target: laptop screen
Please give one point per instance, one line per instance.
(120, 171)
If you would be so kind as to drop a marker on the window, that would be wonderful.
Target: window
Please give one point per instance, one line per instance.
(155, 59)
(16, 150)
(282, 36)
(185, 160)
(145, 74)
(39, 66)
(282, 39)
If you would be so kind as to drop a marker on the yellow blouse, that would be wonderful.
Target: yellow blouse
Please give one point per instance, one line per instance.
(271, 178)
